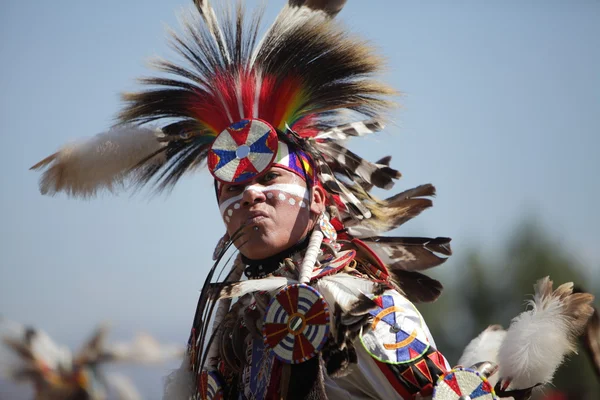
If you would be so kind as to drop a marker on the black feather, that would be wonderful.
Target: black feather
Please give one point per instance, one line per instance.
(417, 288)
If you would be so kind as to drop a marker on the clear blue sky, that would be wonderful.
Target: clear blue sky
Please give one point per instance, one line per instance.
(500, 111)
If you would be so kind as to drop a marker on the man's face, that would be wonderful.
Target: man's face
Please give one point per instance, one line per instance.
(275, 210)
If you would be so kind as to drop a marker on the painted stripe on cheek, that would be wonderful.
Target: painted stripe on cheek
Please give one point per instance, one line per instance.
(289, 188)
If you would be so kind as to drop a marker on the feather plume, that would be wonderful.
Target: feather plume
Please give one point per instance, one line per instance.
(180, 384)
(591, 337)
(56, 373)
(357, 169)
(145, 349)
(381, 163)
(103, 162)
(410, 253)
(353, 129)
(356, 209)
(392, 212)
(123, 387)
(347, 292)
(416, 287)
(330, 7)
(484, 348)
(539, 339)
(591, 341)
(239, 289)
(350, 300)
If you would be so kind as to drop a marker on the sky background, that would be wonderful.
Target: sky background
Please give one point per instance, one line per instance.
(499, 110)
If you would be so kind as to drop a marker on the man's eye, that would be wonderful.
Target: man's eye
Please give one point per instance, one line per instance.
(233, 188)
(269, 176)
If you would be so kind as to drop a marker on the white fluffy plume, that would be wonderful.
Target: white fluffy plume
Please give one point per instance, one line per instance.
(483, 348)
(539, 339)
(103, 162)
(123, 387)
(179, 384)
(146, 350)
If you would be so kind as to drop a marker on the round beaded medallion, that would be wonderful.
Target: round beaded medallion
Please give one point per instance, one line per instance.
(296, 323)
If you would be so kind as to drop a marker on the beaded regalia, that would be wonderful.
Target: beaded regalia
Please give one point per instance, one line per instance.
(333, 315)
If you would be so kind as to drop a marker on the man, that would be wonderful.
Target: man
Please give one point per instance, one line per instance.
(327, 309)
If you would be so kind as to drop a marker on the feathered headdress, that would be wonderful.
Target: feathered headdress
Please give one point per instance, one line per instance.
(236, 102)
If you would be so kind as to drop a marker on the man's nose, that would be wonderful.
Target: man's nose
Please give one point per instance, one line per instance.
(252, 196)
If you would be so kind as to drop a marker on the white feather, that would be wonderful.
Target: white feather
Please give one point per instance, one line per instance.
(179, 384)
(361, 231)
(539, 339)
(222, 309)
(288, 18)
(123, 387)
(102, 162)
(44, 349)
(145, 349)
(483, 348)
(344, 290)
(238, 289)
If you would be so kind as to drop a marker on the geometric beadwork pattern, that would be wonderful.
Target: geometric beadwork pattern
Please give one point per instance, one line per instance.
(396, 335)
(209, 386)
(328, 230)
(343, 258)
(418, 376)
(260, 365)
(296, 323)
(242, 151)
(463, 383)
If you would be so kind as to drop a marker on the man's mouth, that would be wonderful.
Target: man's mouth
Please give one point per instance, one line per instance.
(255, 217)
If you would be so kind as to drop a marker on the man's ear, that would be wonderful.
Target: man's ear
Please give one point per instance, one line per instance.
(319, 197)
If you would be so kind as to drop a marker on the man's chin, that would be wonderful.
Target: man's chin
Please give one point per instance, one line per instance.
(259, 247)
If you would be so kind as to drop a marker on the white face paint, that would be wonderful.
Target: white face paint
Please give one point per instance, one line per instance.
(296, 195)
